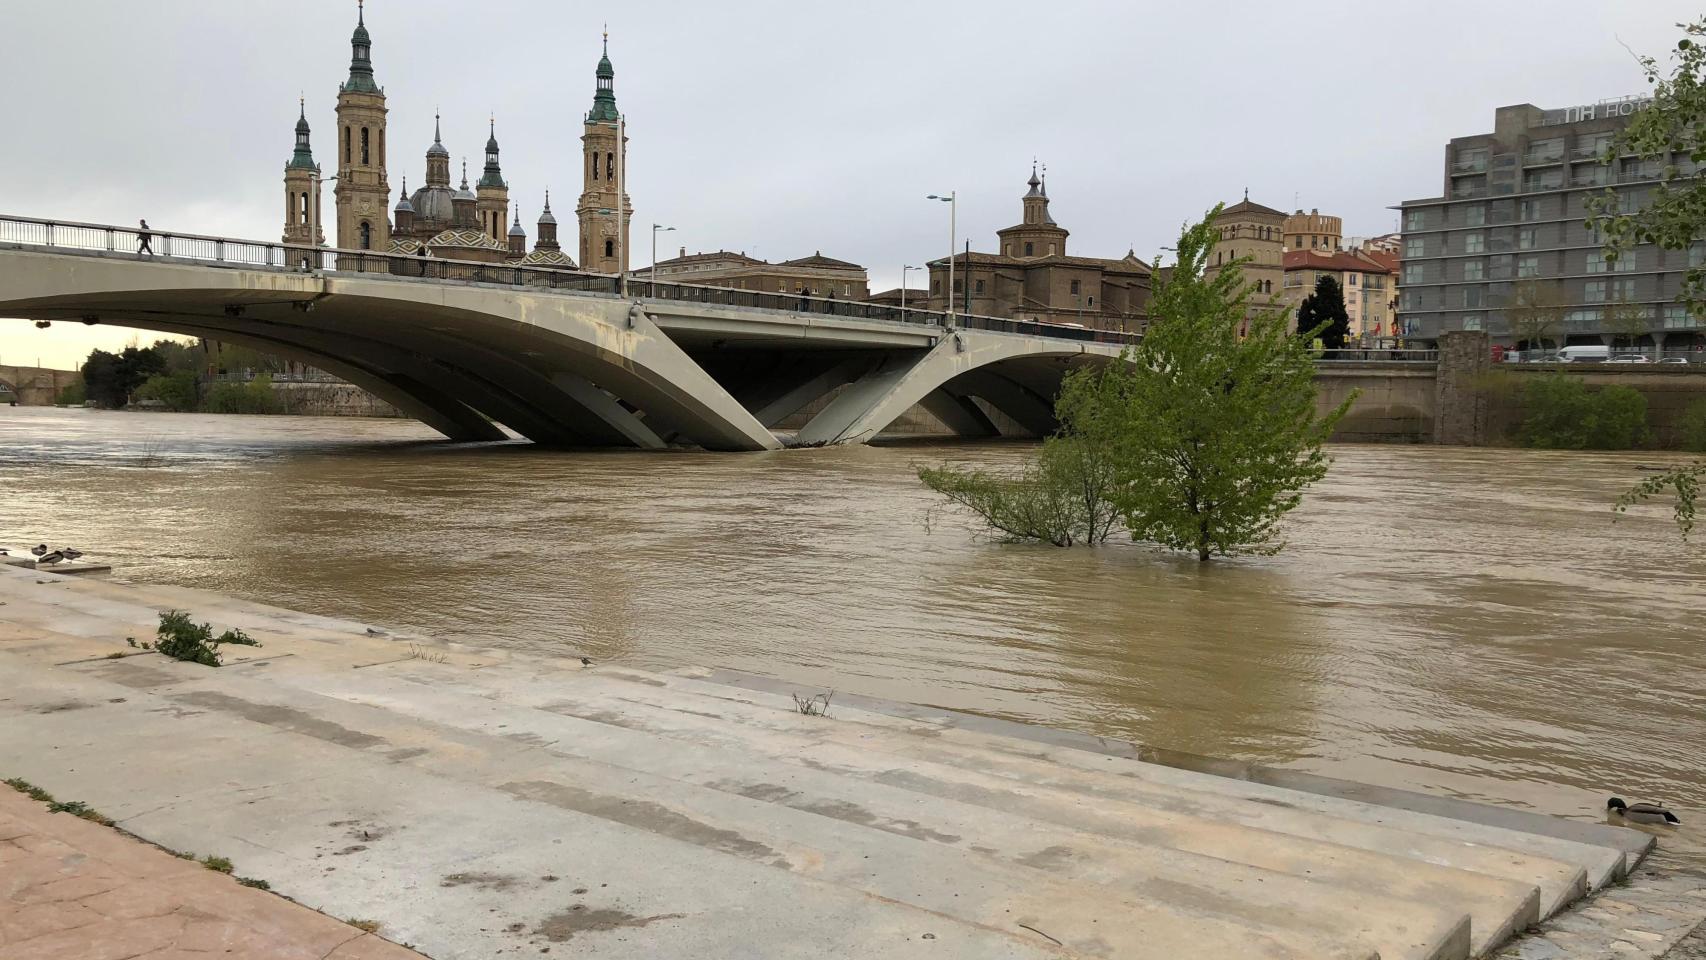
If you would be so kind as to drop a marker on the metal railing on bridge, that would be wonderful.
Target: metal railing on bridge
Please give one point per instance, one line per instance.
(1376, 354)
(134, 241)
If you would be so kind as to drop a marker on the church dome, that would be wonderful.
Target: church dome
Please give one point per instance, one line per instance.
(403, 204)
(434, 204)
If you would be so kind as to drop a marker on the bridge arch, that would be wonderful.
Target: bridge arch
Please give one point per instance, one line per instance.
(1016, 374)
(556, 368)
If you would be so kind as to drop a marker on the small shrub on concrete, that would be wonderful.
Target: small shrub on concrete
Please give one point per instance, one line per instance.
(370, 926)
(181, 638)
(816, 706)
(252, 882)
(220, 864)
(29, 789)
(1563, 414)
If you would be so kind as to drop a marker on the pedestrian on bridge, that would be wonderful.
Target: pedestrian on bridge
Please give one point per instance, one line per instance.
(143, 240)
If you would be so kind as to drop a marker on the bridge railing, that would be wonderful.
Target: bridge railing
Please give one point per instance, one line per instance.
(134, 241)
(1371, 354)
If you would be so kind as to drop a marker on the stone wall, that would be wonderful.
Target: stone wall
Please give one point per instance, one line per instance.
(331, 399)
(36, 386)
(1394, 403)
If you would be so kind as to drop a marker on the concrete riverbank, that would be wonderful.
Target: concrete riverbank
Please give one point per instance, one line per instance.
(477, 802)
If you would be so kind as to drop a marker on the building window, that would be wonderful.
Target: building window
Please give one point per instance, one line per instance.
(366, 235)
(1526, 238)
(610, 168)
(1051, 249)
(1475, 214)
(1596, 261)
(1546, 151)
(1527, 267)
(1415, 247)
(1415, 219)
(594, 159)
(382, 146)
(1528, 210)
(347, 153)
(1474, 296)
(1474, 243)
(1548, 179)
(959, 284)
(1075, 288)
(1631, 201)
(1594, 291)
(364, 144)
(1474, 270)
(610, 248)
(1678, 317)
(1472, 321)
(1413, 272)
(1623, 290)
(1027, 248)
(1090, 302)
(980, 286)
(1293, 279)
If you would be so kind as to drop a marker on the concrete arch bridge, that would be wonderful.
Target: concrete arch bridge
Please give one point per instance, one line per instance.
(559, 357)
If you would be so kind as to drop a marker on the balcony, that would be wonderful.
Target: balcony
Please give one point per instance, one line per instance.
(1543, 158)
(1473, 165)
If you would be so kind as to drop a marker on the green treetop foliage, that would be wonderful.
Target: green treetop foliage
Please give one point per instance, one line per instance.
(1671, 128)
(1325, 309)
(109, 379)
(1536, 313)
(1198, 440)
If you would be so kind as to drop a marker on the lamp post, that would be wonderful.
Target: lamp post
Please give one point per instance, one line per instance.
(903, 271)
(314, 214)
(953, 235)
(656, 229)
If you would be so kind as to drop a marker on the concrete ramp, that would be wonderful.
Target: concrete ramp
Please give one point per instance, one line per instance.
(481, 803)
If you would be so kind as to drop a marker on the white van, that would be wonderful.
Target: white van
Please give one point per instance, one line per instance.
(1585, 354)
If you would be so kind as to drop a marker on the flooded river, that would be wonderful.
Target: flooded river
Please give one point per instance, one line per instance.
(1466, 622)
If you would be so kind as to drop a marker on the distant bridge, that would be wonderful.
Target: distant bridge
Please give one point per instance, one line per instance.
(34, 386)
(560, 357)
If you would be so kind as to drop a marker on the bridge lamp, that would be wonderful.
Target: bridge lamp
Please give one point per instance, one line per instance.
(657, 229)
(903, 271)
(952, 200)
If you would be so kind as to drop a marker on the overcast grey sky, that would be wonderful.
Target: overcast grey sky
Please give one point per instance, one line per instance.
(782, 128)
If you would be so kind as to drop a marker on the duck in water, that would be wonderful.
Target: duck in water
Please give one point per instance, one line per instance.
(1641, 812)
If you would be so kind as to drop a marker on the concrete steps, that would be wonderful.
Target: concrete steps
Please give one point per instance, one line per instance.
(1050, 794)
(1100, 841)
(703, 815)
(1101, 775)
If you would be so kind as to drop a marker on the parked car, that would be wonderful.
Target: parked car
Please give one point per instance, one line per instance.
(1584, 354)
(1681, 360)
(1631, 358)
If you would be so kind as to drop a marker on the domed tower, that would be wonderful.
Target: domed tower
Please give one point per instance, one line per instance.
(517, 239)
(302, 189)
(604, 210)
(492, 192)
(1037, 235)
(403, 215)
(362, 191)
(547, 228)
(465, 204)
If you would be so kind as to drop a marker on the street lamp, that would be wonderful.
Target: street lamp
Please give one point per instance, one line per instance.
(953, 239)
(656, 229)
(314, 215)
(903, 270)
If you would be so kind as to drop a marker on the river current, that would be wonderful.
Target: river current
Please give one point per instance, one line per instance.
(1463, 621)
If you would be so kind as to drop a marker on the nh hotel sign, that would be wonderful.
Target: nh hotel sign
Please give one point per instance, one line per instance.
(1603, 110)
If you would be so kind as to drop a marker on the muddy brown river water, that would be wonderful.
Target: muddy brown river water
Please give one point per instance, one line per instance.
(1468, 622)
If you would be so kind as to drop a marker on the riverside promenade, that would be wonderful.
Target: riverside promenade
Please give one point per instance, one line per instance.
(479, 803)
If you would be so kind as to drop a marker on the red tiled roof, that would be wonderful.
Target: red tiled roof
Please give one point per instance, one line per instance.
(1316, 260)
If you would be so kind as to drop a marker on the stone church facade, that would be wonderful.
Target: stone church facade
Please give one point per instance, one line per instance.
(438, 220)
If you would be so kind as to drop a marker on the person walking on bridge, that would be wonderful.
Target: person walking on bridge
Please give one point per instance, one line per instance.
(143, 240)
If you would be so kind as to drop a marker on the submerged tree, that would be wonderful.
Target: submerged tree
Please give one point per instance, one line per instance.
(1199, 440)
(1324, 309)
(1221, 431)
(1670, 129)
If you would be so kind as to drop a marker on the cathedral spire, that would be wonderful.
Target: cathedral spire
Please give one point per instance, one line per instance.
(492, 176)
(604, 98)
(361, 56)
(303, 158)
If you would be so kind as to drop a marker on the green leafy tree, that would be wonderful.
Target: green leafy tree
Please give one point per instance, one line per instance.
(1200, 440)
(1626, 322)
(1536, 314)
(110, 379)
(256, 396)
(174, 391)
(1670, 130)
(180, 357)
(1324, 309)
(1563, 414)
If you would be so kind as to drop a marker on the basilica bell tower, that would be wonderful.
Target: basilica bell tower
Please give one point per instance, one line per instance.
(604, 209)
(363, 193)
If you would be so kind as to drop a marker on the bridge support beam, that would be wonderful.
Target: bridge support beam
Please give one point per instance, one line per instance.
(873, 402)
(607, 408)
